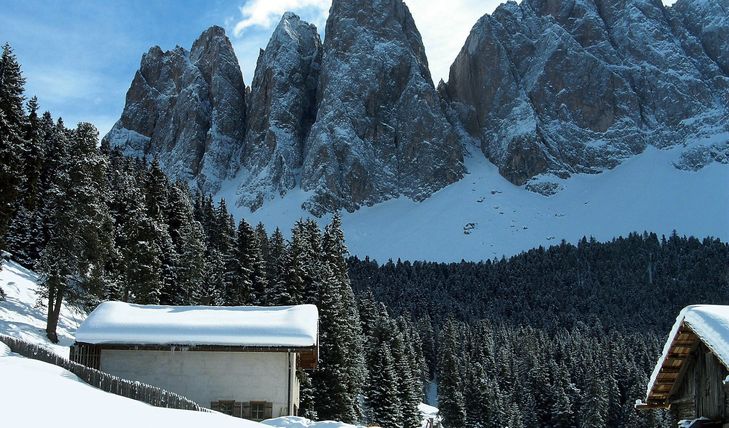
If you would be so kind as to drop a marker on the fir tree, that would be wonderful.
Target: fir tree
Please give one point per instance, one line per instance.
(72, 262)
(382, 394)
(12, 143)
(277, 272)
(451, 400)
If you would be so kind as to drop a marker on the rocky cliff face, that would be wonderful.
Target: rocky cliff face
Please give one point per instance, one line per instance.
(547, 87)
(380, 131)
(281, 110)
(187, 109)
(561, 87)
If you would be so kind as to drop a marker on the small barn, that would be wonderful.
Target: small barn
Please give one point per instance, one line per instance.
(242, 361)
(690, 378)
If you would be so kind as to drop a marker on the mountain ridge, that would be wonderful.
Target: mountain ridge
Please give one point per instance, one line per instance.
(546, 90)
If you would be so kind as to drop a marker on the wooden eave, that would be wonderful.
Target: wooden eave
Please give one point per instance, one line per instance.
(672, 370)
(308, 355)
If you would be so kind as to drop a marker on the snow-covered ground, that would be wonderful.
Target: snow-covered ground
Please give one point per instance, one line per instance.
(35, 394)
(21, 317)
(484, 216)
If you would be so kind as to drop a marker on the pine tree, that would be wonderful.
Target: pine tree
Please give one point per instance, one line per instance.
(408, 386)
(191, 270)
(330, 378)
(450, 392)
(277, 266)
(334, 253)
(307, 407)
(382, 392)
(594, 408)
(12, 143)
(72, 262)
(250, 276)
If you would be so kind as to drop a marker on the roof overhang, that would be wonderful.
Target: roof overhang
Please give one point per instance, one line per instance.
(308, 355)
(667, 376)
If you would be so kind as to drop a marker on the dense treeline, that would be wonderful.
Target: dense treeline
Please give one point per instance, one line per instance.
(101, 226)
(635, 283)
(558, 337)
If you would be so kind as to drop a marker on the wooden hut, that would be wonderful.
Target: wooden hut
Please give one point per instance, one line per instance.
(239, 360)
(690, 378)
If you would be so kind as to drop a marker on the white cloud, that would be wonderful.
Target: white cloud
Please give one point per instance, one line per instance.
(444, 27)
(266, 13)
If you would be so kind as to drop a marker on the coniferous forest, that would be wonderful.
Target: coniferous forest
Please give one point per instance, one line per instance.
(558, 337)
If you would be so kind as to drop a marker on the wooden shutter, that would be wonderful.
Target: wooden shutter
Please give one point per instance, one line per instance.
(238, 409)
(268, 411)
(246, 409)
(215, 405)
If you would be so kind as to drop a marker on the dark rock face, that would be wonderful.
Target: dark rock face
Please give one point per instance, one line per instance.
(380, 131)
(561, 87)
(281, 110)
(187, 109)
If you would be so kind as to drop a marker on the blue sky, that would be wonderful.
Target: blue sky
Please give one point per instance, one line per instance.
(80, 56)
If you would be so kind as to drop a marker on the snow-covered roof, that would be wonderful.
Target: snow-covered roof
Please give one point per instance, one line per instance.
(245, 326)
(708, 323)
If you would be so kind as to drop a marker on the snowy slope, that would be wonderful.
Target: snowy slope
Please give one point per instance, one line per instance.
(646, 192)
(65, 399)
(21, 317)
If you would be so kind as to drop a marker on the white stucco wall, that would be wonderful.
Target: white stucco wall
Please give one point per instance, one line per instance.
(210, 376)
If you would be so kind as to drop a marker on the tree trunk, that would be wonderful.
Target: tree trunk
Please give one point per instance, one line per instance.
(55, 299)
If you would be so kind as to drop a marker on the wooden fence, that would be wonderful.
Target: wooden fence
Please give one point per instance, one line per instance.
(126, 388)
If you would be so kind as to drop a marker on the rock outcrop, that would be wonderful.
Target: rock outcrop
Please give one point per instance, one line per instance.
(187, 109)
(380, 131)
(281, 110)
(563, 87)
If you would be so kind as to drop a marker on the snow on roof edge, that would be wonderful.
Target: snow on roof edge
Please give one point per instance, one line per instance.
(122, 323)
(703, 320)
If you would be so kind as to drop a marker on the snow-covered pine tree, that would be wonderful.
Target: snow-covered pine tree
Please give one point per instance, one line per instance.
(23, 238)
(383, 399)
(277, 265)
(312, 259)
(450, 389)
(191, 270)
(156, 193)
(297, 271)
(307, 407)
(250, 264)
(263, 243)
(80, 240)
(330, 378)
(476, 395)
(408, 385)
(142, 257)
(594, 406)
(334, 254)
(12, 141)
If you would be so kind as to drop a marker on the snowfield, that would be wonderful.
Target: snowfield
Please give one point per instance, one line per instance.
(484, 216)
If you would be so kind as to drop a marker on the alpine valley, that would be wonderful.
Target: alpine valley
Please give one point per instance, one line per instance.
(559, 119)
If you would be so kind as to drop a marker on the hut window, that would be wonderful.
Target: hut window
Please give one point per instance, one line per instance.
(261, 410)
(222, 406)
(258, 409)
